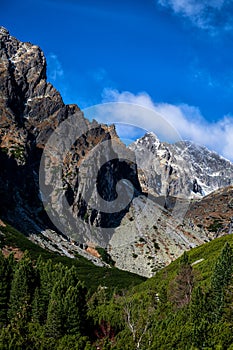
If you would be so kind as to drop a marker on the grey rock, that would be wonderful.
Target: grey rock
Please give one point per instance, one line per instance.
(179, 169)
(30, 110)
(148, 232)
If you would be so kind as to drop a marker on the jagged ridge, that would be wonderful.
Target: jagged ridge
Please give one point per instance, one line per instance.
(180, 169)
(30, 109)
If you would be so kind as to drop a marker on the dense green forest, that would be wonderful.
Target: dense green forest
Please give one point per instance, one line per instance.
(188, 305)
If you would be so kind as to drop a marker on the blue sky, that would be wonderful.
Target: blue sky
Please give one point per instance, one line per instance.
(175, 56)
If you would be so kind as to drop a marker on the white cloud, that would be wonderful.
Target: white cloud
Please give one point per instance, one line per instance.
(183, 119)
(204, 14)
(54, 68)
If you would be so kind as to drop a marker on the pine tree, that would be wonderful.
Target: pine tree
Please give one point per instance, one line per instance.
(75, 309)
(184, 259)
(67, 306)
(48, 275)
(201, 320)
(221, 278)
(74, 305)
(55, 318)
(6, 273)
(22, 290)
(43, 290)
(37, 309)
(55, 324)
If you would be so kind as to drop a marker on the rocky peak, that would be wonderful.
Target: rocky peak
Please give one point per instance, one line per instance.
(30, 109)
(25, 93)
(149, 140)
(143, 240)
(3, 31)
(180, 169)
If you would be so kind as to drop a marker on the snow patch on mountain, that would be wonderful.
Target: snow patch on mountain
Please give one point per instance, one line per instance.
(179, 169)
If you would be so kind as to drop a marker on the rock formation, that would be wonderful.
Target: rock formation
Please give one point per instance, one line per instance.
(180, 169)
(150, 230)
(30, 110)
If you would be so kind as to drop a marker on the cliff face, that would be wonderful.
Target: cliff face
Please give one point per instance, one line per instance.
(147, 232)
(30, 110)
(153, 234)
(180, 169)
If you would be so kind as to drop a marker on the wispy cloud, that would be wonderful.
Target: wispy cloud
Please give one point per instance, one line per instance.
(56, 76)
(54, 68)
(204, 14)
(187, 120)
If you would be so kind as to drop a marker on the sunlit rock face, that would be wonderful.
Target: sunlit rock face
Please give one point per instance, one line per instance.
(180, 169)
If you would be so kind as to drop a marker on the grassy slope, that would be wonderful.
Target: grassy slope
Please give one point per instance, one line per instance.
(92, 275)
(203, 269)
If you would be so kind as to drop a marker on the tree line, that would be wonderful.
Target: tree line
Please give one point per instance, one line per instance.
(45, 306)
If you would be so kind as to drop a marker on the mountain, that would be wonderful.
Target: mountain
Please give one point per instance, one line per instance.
(63, 178)
(180, 195)
(144, 244)
(30, 110)
(175, 214)
(179, 169)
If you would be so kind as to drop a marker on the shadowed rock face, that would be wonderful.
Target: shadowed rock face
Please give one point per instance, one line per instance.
(30, 110)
